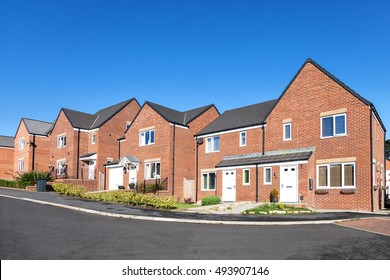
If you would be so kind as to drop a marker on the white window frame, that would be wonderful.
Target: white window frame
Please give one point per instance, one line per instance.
(265, 175)
(61, 141)
(22, 143)
(142, 137)
(334, 125)
(148, 170)
(93, 138)
(284, 131)
(243, 138)
(208, 181)
(21, 164)
(342, 175)
(60, 166)
(210, 144)
(249, 177)
(128, 124)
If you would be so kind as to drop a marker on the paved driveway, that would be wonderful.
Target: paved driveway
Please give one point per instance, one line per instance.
(374, 225)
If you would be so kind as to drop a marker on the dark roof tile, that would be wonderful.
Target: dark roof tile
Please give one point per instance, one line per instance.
(239, 118)
(7, 141)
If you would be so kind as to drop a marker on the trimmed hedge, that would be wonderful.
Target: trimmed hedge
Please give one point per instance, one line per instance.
(8, 183)
(14, 184)
(130, 198)
(211, 200)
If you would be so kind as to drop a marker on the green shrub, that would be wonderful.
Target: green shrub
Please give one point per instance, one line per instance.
(24, 179)
(8, 183)
(211, 200)
(70, 190)
(130, 198)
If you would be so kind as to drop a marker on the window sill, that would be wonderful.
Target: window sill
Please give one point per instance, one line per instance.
(203, 190)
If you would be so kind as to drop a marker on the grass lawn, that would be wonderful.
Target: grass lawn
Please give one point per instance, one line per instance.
(182, 206)
(276, 208)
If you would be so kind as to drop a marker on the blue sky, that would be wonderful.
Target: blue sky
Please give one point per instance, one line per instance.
(87, 55)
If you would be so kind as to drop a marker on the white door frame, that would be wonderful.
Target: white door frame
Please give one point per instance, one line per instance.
(229, 185)
(289, 191)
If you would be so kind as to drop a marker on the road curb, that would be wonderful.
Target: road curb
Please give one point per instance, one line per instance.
(177, 220)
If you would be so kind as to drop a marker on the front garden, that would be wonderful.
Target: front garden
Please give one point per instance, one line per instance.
(123, 197)
(276, 208)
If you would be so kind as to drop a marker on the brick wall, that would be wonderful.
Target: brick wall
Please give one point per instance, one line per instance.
(161, 150)
(310, 94)
(230, 145)
(6, 162)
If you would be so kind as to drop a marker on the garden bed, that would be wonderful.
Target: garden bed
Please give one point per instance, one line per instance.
(278, 209)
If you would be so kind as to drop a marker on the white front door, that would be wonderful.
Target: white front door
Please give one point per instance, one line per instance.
(288, 184)
(229, 185)
(91, 170)
(115, 178)
(132, 175)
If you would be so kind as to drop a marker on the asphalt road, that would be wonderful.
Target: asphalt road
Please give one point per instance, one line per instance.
(33, 231)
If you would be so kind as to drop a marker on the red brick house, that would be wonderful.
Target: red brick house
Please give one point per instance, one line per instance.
(320, 143)
(6, 157)
(32, 146)
(159, 146)
(81, 143)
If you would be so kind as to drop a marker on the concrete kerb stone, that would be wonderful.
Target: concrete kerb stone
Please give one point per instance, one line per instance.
(177, 220)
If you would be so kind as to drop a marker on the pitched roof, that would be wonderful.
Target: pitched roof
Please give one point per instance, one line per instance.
(267, 158)
(37, 127)
(7, 141)
(177, 117)
(334, 78)
(91, 121)
(240, 118)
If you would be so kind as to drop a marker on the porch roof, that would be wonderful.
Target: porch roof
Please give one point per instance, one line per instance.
(88, 156)
(267, 158)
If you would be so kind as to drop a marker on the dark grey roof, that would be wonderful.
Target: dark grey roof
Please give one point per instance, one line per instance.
(7, 141)
(177, 117)
(240, 118)
(91, 121)
(267, 158)
(38, 127)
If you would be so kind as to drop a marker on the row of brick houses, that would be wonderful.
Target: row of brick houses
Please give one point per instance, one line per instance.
(320, 143)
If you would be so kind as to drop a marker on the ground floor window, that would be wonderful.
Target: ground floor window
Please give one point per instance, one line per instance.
(61, 167)
(152, 170)
(338, 175)
(246, 177)
(21, 165)
(209, 181)
(267, 175)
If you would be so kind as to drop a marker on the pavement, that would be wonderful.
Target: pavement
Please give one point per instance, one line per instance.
(226, 213)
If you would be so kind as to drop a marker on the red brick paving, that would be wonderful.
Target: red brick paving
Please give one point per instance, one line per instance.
(375, 225)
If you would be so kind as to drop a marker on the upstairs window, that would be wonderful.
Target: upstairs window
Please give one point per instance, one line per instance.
(93, 138)
(287, 132)
(242, 138)
(127, 125)
(22, 143)
(146, 137)
(61, 141)
(212, 144)
(332, 126)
